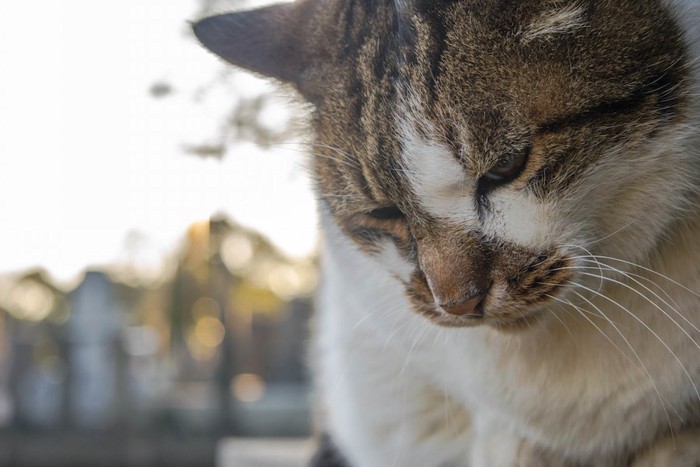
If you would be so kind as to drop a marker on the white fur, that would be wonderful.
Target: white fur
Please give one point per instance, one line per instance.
(560, 20)
(437, 179)
(521, 218)
(390, 258)
(366, 375)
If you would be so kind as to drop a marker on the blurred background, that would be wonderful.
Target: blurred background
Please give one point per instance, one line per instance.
(157, 245)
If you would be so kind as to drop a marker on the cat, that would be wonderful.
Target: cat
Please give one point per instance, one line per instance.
(508, 194)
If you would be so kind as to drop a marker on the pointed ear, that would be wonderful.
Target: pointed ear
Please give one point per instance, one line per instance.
(265, 40)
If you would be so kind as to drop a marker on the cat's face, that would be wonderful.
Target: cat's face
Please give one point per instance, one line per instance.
(483, 150)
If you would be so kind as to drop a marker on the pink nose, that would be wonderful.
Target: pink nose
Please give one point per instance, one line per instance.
(469, 307)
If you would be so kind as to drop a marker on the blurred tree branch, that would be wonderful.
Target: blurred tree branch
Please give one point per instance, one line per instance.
(243, 121)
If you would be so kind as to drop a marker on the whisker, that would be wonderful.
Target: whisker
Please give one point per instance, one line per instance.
(333, 148)
(394, 332)
(651, 302)
(598, 240)
(341, 196)
(335, 159)
(438, 336)
(583, 313)
(639, 359)
(600, 267)
(680, 363)
(364, 318)
(631, 276)
(566, 327)
(675, 306)
(696, 294)
(420, 334)
(670, 318)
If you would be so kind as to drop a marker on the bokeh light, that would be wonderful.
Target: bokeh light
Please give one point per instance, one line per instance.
(248, 387)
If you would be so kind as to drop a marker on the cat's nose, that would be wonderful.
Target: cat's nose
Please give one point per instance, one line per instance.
(457, 269)
(468, 307)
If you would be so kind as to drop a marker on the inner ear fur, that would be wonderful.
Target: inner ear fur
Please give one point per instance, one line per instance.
(271, 41)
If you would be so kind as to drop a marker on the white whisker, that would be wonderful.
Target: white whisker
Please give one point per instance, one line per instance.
(658, 274)
(568, 330)
(350, 164)
(639, 359)
(420, 334)
(632, 277)
(598, 240)
(639, 320)
(583, 313)
(673, 308)
(600, 267)
(334, 149)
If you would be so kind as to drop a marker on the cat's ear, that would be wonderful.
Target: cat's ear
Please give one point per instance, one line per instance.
(266, 40)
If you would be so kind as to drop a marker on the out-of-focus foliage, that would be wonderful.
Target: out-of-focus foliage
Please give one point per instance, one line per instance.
(246, 119)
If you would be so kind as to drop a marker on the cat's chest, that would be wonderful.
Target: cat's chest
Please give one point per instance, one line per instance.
(570, 394)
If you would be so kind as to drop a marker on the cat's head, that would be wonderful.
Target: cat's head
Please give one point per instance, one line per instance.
(484, 150)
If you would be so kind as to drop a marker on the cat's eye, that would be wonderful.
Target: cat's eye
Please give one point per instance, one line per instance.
(386, 213)
(507, 167)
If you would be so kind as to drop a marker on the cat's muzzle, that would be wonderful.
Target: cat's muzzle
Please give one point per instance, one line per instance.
(511, 292)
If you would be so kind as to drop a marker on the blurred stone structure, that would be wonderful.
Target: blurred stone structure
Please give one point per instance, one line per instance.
(215, 348)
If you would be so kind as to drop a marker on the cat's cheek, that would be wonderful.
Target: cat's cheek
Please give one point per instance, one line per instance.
(524, 220)
(391, 259)
(380, 250)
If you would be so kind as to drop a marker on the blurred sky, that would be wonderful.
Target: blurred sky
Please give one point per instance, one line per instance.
(88, 158)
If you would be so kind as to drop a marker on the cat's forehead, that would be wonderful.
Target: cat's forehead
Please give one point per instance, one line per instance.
(502, 63)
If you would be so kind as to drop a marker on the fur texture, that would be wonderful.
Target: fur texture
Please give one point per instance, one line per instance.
(509, 203)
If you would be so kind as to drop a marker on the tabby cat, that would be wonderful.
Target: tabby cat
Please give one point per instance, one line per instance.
(509, 198)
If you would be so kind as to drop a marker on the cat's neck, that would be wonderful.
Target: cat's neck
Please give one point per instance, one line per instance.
(678, 256)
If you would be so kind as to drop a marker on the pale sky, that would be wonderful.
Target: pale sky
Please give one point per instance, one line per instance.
(88, 156)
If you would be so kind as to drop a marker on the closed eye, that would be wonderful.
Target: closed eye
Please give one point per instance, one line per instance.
(506, 169)
(386, 213)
